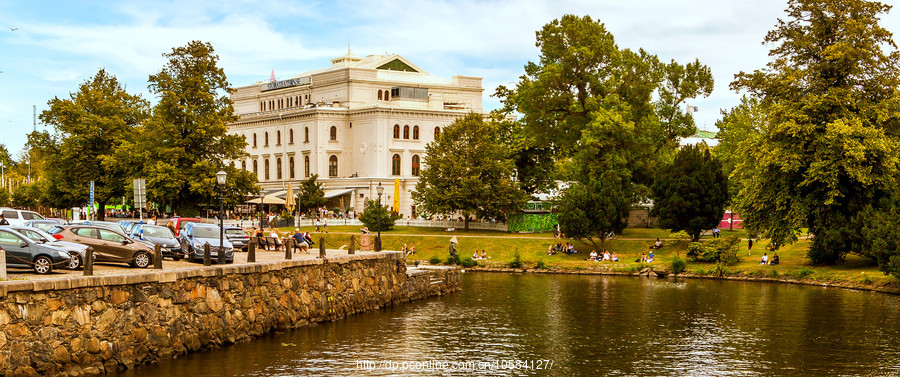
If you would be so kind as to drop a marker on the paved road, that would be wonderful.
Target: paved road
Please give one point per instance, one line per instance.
(170, 265)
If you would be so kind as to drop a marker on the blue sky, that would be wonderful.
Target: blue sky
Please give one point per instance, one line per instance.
(59, 44)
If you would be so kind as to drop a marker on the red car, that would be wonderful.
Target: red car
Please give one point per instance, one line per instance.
(176, 224)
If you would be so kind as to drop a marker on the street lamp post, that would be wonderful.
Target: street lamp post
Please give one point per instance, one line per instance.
(220, 179)
(380, 190)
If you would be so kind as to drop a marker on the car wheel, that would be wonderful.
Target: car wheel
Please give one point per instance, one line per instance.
(43, 265)
(176, 258)
(75, 263)
(141, 260)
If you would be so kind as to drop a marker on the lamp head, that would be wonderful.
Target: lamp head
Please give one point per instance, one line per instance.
(220, 177)
(379, 189)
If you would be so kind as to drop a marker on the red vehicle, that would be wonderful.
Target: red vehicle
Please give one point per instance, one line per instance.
(176, 224)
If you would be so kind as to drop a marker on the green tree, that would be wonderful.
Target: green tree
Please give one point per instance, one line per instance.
(371, 214)
(186, 141)
(94, 126)
(829, 146)
(739, 132)
(468, 170)
(310, 195)
(690, 194)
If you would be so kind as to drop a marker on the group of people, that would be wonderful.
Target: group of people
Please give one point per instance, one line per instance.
(604, 256)
(765, 259)
(476, 256)
(568, 248)
(409, 250)
(647, 258)
(302, 240)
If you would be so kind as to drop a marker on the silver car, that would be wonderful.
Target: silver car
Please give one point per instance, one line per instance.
(76, 250)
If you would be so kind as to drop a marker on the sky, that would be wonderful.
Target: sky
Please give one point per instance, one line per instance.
(48, 48)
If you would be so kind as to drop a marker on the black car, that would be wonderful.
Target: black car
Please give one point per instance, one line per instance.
(238, 238)
(159, 235)
(195, 235)
(21, 251)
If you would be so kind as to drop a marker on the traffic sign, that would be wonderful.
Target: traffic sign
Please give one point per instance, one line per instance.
(140, 193)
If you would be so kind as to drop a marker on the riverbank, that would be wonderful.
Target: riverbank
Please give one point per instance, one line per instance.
(88, 325)
(432, 245)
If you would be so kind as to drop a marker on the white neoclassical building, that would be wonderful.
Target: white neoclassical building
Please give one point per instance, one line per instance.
(358, 123)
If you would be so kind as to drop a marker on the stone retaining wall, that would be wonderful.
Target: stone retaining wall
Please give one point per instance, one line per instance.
(92, 325)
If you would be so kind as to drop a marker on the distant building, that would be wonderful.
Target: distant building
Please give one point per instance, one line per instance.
(701, 136)
(358, 123)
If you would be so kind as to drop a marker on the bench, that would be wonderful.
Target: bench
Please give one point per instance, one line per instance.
(261, 243)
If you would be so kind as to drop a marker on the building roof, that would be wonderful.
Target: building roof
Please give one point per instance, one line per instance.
(390, 67)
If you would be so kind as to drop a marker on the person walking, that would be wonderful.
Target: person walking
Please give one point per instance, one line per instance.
(3, 220)
(749, 245)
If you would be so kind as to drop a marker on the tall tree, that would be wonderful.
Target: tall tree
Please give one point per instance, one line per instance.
(186, 142)
(310, 195)
(93, 127)
(829, 147)
(690, 194)
(739, 132)
(467, 170)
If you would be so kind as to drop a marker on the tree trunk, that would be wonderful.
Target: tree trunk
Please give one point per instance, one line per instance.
(466, 224)
(101, 210)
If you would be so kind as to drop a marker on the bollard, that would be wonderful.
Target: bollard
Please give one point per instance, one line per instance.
(206, 259)
(157, 257)
(220, 255)
(2, 264)
(251, 252)
(89, 262)
(287, 248)
(352, 245)
(321, 247)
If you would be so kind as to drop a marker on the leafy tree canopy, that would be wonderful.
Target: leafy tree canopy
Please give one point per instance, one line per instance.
(690, 194)
(828, 147)
(310, 195)
(371, 214)
(468, 170)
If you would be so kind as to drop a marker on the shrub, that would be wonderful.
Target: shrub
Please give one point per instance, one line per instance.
(434, 261)
(865, 280)
(718, 250)
(540, 265)
(452, 260)
(720, 270)
(803, 272)
(678, 266)
(468, 262)
(517, 261)
(773, 273)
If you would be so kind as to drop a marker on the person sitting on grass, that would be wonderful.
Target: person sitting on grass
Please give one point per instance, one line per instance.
(606, 255)
(642, 259)
(412, 248)
(657, 244)
(571, 249)
(774, 260)
(475, 255)
(483, 254)
(765, 259)
(650, 257)
(550, 250)
(615, 257)
(593, 256)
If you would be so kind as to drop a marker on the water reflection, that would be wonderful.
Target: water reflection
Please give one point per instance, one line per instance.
(588, 325)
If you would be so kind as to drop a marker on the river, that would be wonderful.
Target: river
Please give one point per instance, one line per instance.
(576, 325)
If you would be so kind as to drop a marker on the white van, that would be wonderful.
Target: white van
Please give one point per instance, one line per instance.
(19, 216)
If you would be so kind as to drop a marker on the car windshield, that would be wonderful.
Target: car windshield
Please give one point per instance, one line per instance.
(155, 231)
(234, 232)
(56, 230)
(206, 232)
(35, 234)
(184, 223)
(44, 226)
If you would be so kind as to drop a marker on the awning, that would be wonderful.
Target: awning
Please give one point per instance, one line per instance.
(335, 193)
(268, 199)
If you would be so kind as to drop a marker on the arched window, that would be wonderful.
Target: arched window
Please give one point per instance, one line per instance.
(332, 166)
(266, 139)
(254, 140)
(278, 137)
(255, 169)
(395, 165)
(415, 165)
(333, 133)
(244, 165)
(396, 131)
(415, 132)
(387, 95)
(291, 167)
(406, 132)
(305, 134)
(291, 136)
(306, 166)
(379, 94)
(437, 132)
(278, 166)
(266, 169)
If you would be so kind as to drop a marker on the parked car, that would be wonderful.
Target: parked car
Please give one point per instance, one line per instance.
(19, 216)
(159, 235)
(102, 224)
(58, 220)
(21, 251)
(44, 225)
(109, 245)
(195, 235)
(238, 238)
(176, 224)
(76, 250)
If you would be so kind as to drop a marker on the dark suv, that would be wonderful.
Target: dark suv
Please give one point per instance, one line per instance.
(195, 235)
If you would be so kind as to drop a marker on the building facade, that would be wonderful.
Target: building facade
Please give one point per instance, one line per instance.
(357, 124)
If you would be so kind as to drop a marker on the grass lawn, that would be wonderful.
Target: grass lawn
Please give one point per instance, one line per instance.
(501, 247)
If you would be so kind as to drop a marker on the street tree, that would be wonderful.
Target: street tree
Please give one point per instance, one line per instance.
(374, 214)
(93, 127)
(185, 142)
(468, 171)
(310, 195)
(828, 148)
(690, 194)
